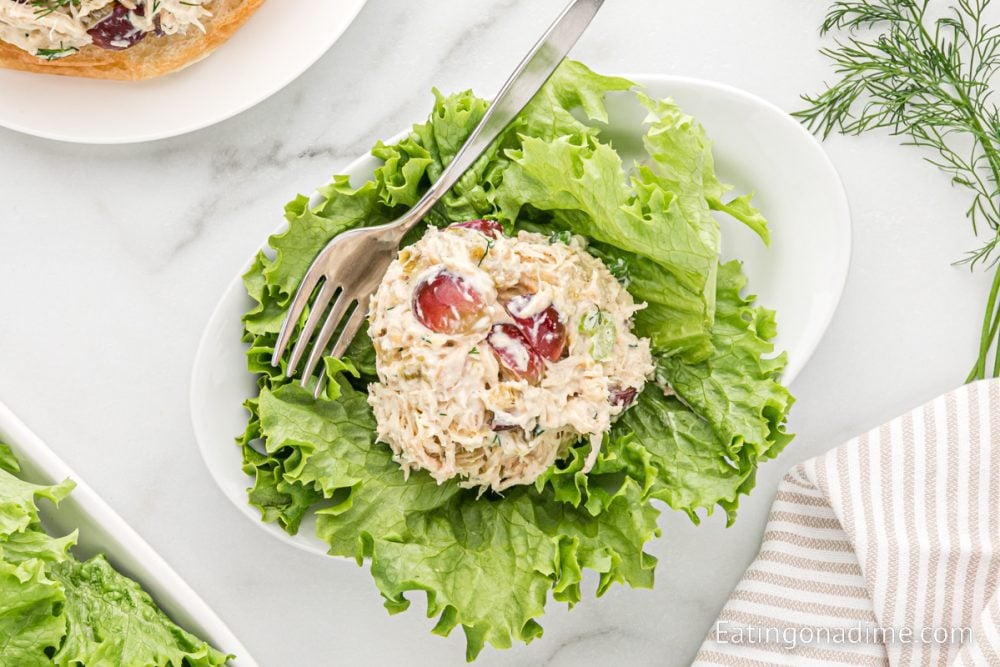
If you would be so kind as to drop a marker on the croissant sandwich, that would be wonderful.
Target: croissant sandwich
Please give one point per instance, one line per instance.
(128, 40)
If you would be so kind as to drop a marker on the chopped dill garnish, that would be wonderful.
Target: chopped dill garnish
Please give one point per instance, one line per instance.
(55, 54)
(46, 7)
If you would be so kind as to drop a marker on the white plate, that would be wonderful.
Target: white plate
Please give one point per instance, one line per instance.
(265, 55)
(757, 146)
(103, 531)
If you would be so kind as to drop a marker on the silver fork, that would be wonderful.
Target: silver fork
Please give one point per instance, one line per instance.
(352, 265)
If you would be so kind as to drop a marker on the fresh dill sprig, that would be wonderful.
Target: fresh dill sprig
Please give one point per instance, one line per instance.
(46, 7)
(923, 70)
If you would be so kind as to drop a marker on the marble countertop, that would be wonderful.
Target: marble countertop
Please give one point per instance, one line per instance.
(115, 256)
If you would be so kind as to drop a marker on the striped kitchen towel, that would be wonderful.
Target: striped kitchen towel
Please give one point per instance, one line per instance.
(883, 551)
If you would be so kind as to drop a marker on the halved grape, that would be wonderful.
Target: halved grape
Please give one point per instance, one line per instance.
(446, 303)
(515, 352)
(623, 397)
(116, 32)
(545, 330)
(490, 228)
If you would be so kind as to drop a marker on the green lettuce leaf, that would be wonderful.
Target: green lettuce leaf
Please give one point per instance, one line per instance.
(30, 601)
(8, 461)
(110, 620)
(419, 535)
(18, 510)
(418, 160)
(515, 550)
(36, 544)
(727, 416)
(681, 158)
(414, 163)
(329, 439)
(56, 610)
(737, 390)
(31, 622)
(582, 186)
(573, 86)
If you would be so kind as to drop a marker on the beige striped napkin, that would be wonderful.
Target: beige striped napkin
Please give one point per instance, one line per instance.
(884, 551)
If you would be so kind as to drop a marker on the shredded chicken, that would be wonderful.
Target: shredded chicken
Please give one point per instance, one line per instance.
(446, 403)
(56, 30)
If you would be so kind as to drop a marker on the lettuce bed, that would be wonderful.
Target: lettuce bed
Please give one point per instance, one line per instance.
(56, 610)
(489, 563)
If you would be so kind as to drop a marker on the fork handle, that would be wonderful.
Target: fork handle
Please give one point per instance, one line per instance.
(520, 88)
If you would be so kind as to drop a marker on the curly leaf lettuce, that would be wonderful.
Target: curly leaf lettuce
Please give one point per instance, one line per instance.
(737, 390)
(110, 620)
(727, 414)
(681, 158)
(581, 185)
(18, 511)
(55, 610)
(694, 446)
(30, 621)
(421, 536)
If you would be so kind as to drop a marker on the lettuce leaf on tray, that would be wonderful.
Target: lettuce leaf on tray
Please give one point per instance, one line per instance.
(56, 610)
(694, 446)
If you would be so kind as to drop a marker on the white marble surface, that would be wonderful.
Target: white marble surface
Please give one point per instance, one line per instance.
(113, 258)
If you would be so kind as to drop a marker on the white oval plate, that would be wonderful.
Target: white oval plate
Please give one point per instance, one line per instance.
(757, 146)
(275, 45)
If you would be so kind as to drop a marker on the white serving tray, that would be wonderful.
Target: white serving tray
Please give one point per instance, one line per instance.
(103, 531)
